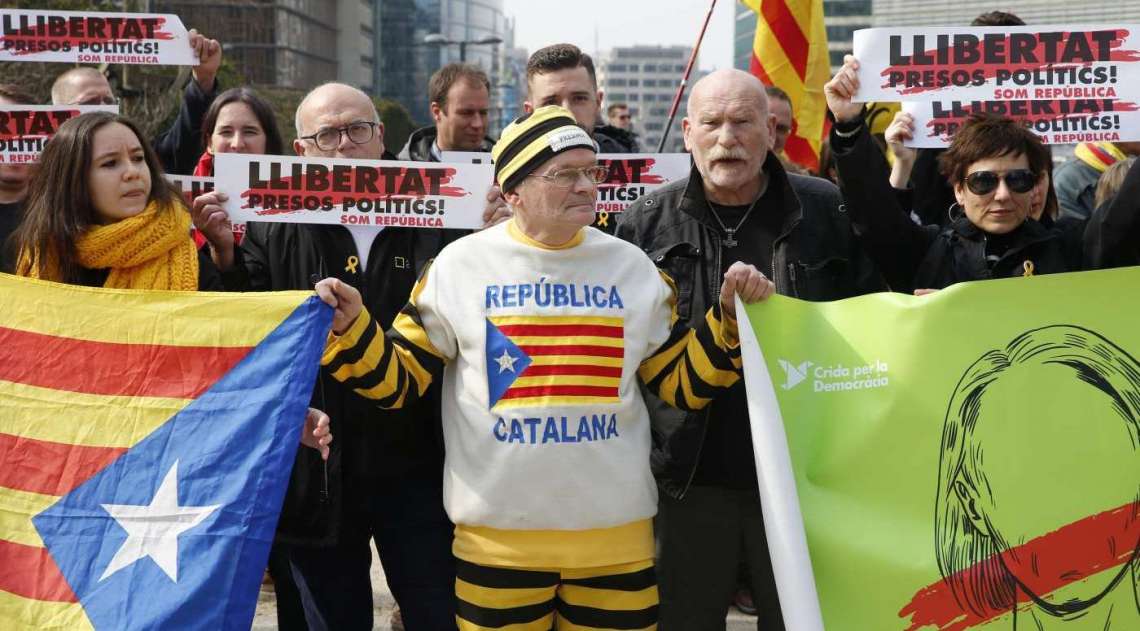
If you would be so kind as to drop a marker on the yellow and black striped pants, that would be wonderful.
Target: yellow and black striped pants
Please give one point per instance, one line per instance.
(510, 599)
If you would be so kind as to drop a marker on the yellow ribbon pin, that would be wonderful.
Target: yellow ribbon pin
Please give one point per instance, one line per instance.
(352, 263)
(1027, 268)
(603, 219)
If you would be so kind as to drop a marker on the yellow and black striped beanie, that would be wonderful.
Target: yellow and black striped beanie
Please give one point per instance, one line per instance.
(534, 138)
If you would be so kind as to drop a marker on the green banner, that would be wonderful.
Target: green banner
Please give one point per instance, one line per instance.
(965, 459)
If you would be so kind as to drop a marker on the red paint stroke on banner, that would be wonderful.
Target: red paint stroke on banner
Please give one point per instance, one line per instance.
(996, 107)
(1047, 563)
(626, 176)
(287, 188)
(990, 70)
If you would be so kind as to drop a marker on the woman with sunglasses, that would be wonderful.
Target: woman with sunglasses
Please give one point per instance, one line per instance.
(995, 166)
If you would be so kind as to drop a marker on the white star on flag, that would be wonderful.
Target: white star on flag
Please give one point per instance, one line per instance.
(506, 362)
(152, 530)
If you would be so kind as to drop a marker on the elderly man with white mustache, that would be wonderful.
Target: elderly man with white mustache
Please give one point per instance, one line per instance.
(738, 203)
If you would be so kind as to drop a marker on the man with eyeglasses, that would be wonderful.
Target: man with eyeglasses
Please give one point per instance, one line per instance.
(539, 329)
(384, 482)
(738, 203)
(180, 146)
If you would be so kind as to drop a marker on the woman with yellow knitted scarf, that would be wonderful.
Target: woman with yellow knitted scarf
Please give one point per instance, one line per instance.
(100, 213)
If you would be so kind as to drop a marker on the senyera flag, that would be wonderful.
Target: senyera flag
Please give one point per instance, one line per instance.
(146, 440)
(964, 460)
(789, 51)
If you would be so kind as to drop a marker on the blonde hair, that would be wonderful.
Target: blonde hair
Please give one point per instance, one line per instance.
(1109, 183)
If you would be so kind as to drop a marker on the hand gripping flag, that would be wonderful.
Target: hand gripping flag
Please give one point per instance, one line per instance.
(146, 441)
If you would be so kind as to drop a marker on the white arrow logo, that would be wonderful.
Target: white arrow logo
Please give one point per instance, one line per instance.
(794, 375)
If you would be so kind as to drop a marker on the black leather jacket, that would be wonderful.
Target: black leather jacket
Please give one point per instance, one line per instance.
(815, 257)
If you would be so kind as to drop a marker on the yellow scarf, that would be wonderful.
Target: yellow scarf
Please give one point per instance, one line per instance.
(152, 250)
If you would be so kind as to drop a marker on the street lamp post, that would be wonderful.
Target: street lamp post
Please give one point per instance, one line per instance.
(442, 40)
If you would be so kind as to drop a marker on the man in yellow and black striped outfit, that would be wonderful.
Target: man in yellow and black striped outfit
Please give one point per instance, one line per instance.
(540, 328)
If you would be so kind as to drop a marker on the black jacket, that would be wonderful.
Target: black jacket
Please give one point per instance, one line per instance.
(612, 139)
(1112, 238)
(931, 257)
(180, 146)
(816, 257)
(371, 445)
(418, 148)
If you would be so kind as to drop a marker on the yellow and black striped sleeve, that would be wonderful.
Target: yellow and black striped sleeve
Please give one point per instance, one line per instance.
(394, 368)
(689, 369)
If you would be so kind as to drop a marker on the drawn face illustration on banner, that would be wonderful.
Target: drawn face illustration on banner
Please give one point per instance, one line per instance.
(1057, 410)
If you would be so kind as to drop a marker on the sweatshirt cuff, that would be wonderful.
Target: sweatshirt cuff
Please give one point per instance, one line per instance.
(337, 344)
(724, 329)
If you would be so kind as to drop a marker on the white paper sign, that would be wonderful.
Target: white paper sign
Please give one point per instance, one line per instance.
(25, 129)
(1055, 122)
(998, 63)
(94, 38)
(352, 192)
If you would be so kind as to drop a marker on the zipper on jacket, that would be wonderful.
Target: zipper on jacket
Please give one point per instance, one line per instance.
(707, 410)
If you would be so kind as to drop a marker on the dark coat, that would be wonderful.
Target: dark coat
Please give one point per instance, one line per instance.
(816, 257)
(371, 445)
(418, 147)
(180, 146)
(931, 257)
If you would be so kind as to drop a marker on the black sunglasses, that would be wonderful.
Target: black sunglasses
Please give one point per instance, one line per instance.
(986, 182)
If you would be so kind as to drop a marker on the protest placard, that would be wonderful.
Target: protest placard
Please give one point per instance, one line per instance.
(25, 129)
(998, 63)
(189, 187)
(1055, 122)
(94, 38)
(352, 192)
(629, 176)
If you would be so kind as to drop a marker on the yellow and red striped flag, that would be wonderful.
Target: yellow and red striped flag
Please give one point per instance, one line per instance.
(540, 360)
(790, 52)
(146, 440)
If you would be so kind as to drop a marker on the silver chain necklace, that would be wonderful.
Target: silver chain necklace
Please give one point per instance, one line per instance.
(729, 233)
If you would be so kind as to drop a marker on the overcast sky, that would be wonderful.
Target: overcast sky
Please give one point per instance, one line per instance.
(625, 23)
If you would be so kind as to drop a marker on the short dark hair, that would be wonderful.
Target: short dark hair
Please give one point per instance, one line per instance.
(16, 94)
(776, 93)
(985, 136)
(615, 107)
(997, 18)
(441, 82)
(559, 57)
(261, 109)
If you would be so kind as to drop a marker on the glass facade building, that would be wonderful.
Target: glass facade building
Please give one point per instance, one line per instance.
(404, 63)
(646, 78)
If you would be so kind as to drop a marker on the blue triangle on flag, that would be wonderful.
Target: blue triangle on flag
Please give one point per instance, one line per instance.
(505, 362)
(231, 448)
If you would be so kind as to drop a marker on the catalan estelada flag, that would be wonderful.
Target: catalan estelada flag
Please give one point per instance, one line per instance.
(542, 360)
(790, 52)
(146, 440)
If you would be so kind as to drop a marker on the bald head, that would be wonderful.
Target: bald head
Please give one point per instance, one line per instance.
(335, 106)
(728, 83)
(728, 130)
(82, 86)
